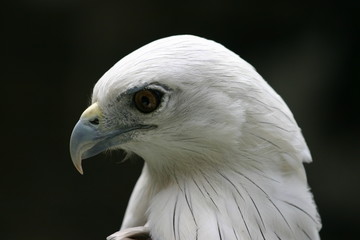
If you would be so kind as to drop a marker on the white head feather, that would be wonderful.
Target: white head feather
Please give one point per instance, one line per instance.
(226, 158)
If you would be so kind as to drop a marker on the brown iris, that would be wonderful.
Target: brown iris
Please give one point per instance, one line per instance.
(146, 100)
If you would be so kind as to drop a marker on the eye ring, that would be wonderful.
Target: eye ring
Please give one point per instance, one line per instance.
(147, 100)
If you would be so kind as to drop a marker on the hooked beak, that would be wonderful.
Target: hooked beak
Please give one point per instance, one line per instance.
(86, 135)
(90, 138)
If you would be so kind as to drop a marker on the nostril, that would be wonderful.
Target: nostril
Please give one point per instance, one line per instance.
(94, 121)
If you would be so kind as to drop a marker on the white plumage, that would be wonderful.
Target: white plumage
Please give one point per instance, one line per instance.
(223, 153)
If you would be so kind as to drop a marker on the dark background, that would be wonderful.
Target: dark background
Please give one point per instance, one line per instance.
(54, 51)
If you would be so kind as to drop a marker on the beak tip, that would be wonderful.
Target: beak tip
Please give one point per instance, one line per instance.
(79, 167)
(80, 170)
(77, 160)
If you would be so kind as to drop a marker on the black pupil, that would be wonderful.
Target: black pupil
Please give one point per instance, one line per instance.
(145, 101)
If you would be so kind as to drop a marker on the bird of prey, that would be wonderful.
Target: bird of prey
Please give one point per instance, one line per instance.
(223, 155)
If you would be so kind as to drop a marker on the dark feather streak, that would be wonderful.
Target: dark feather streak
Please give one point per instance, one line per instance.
(242, 216)
(261, 232)
(256, 208)
(277, 126)
(277, 236)
(174, 214)
(267, 196)
(266, 140)
(302, 210)
(305, 233)
(192, 213)
(236, 189)
(219, 230)
(197, 185)
(271, 107)
(204, 176)
(235, 234)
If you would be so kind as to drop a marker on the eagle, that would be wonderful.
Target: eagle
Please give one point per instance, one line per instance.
(223, 155)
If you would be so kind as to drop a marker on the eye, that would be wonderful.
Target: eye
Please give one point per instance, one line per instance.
(147, 100)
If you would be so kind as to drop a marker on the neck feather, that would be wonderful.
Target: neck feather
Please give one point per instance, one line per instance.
(232, 204)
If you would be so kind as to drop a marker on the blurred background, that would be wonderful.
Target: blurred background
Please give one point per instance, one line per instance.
(54, 51)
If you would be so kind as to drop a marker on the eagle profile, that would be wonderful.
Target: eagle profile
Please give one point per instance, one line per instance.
(223, 154)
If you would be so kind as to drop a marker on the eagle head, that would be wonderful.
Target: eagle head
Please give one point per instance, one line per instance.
(199, 116)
